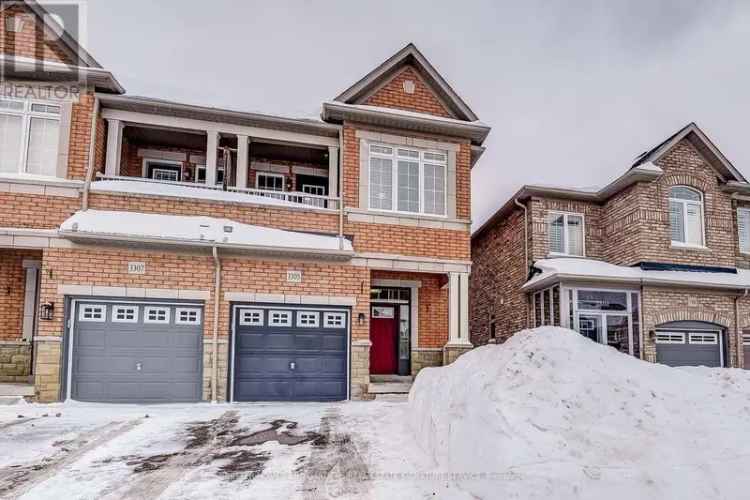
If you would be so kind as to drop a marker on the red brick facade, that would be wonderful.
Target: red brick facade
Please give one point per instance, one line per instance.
(420, 100)
(630, 227)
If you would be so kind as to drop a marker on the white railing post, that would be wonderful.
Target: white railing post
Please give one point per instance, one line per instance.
(243, 157)
(212, 145)
(114, 147)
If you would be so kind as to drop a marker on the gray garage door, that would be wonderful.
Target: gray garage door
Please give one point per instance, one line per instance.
(136, 353)
(290, 354)
(689, 348)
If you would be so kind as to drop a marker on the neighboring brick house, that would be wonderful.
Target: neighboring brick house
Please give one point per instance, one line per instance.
(654, 264)
(158, 251)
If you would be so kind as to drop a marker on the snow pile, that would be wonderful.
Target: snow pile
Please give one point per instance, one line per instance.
(195, 229)
(550, 414)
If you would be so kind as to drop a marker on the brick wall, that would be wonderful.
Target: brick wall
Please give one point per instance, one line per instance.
(30, 41)
(12, 289)
(498, 272)
(393, 95)
(539, 213)
(35, 211)
(432, 307)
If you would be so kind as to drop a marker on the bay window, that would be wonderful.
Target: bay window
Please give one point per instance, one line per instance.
(29, 137)
(686, 216)
(566, 234)
(406, 179)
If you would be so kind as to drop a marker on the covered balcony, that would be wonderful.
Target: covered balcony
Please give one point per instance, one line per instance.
(244, 162)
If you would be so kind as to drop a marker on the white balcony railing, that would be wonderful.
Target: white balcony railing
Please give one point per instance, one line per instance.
(294, 197)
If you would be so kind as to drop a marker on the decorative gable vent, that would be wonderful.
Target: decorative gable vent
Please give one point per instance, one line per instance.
(14, 24)
(409, 86)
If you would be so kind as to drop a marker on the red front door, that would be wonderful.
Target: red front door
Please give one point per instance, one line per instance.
(383, 352)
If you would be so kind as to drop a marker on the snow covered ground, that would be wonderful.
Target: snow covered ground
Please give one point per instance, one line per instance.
(547, 415)
(552, 415)
(259, 451)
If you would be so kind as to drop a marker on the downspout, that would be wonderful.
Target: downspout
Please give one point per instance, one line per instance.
(92, 153)
(525, 253)
(738, 330)
(341, 187)
(215, 340)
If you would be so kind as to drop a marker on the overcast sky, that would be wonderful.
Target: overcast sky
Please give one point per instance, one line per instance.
(573, 90)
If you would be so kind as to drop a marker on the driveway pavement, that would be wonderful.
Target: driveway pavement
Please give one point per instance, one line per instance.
(298, 451)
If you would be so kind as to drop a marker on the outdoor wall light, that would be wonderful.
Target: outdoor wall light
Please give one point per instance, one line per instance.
(48, 311)
(651, 334)
(361, 319)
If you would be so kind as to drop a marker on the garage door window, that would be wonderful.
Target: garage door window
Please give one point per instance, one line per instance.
(335, 320)
(93, 313)
(670, 338)
(157, 315)
(746, 339)
(125, 314)
(280, 318)
(307, 319)
(704, 338)
(251, 317)
(187, 316)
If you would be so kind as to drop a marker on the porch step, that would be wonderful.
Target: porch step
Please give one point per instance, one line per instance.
(389, 388)
(404, 379)
(11, 394)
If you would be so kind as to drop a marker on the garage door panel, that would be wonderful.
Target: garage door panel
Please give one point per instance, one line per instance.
(137, 362)
(688, 349)
(263, 355)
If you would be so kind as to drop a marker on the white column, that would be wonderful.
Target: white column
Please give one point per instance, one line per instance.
(458, 309)
(333, 171)
(114, 147)
(243, 157)
(212, 144)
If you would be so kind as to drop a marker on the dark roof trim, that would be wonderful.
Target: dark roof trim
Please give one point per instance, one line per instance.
(70, 44)
(641, 173)
(338, 112)
(662, 266)
(409, 55)
(171, 108)
(702, 143)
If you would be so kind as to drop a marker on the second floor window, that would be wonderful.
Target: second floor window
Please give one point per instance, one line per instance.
(408, 179)
(743, 229)
(29, 137)
(566, 234)
(686, 216)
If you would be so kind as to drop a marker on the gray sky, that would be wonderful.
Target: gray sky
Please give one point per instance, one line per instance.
(574, 90)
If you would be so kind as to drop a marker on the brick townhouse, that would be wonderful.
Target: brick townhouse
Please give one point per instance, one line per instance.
(154, 251)
(653, 264)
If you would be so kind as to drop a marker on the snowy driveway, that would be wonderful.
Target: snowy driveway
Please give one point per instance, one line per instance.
(304, 451)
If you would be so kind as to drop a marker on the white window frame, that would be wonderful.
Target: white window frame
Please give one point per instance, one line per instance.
(677, 338)
(744, 247)
(684, 204)
(27, 115)
(148, 161)
(148, 309)
(394, 157)
(703, 338)
(270, 174)
(746, 340)
(179, 310)
(101, 307)
(287, 322)
(309, 188)
(311, 314)
(628, 312)
(566, 244)
(339, 318)
(118, 308)
(251, 321)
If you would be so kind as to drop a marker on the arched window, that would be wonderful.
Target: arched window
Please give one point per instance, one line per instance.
(686, 216)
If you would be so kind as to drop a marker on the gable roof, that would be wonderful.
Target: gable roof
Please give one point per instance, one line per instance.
(692, 133)
(69, 43)
(408, 56)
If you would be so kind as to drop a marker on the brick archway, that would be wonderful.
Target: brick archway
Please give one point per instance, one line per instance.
(693, 314)
(687, 180)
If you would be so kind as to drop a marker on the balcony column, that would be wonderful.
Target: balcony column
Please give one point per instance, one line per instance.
(114, 147)
(212, 145)
(243, 157)
(333, 170)
(458, 317)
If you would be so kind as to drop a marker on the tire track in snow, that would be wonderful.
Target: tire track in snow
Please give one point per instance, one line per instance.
(18, 481)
